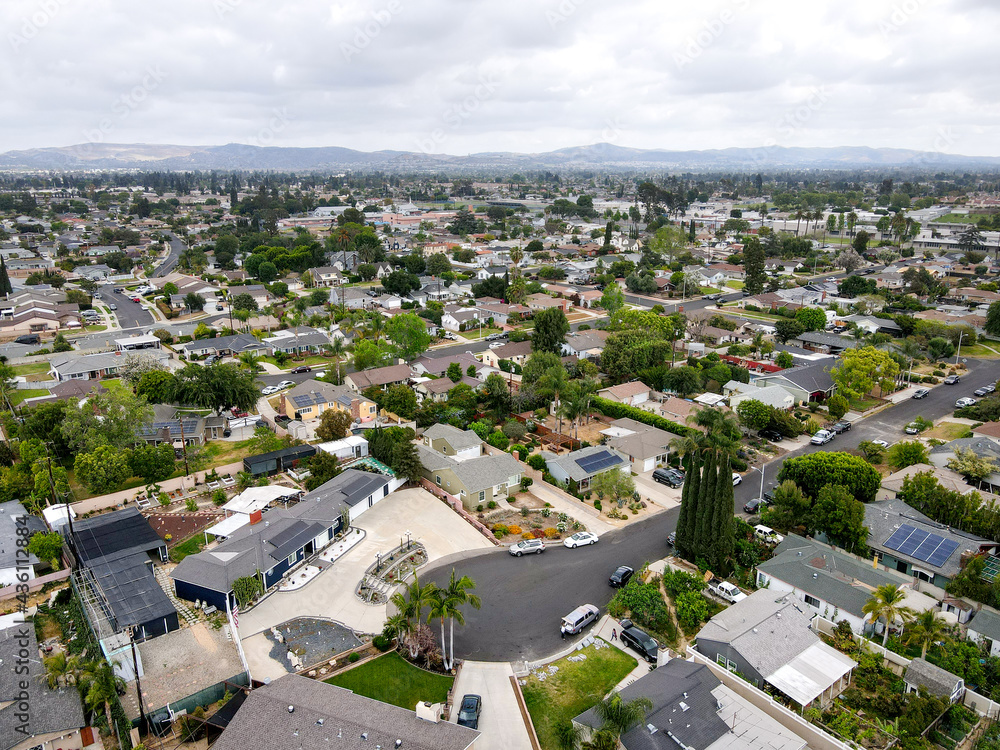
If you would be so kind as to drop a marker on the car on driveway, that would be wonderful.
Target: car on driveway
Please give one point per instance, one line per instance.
(823, 437)
(580, 539)
(639, 641)
(737, 479)
(754, 505)
(773, 435)
(952, 380)
(622, 575)
(986, 390)
(921, 393)
(469, 710)
(578, 619)
(668, 477)
(527, 546)
(300, 369)
(842, 426)
(268, 390)
(912, 429)
(965, 402)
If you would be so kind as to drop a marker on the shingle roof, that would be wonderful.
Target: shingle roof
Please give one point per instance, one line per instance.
(457, 439)
(987, 623)
(324, 716)
(938, 681)
(380, 376)
(486, 471)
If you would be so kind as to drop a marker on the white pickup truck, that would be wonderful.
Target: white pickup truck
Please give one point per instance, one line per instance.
(725, 590)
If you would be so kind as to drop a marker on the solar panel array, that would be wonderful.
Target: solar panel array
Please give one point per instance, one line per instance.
(992, 568)
(932, 549)
(308, 399)
(597, 461)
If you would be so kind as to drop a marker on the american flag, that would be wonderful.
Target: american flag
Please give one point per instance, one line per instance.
(236, 614)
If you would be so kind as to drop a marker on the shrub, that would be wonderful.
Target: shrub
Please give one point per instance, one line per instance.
(614, 409)
(537, 533)
(548, 478)
(526, 482)
(492, 504)
(164, 498)
(479, 508)
(551, 533)
(355, 656)
(598, 505)
(939, 373)
(536, 462)
(527, 535)
(500, 530)
(515, 530)
(382, 643)
(546, 512)
(931, 380)
(191, 505)
(219, 497)
(738, 464)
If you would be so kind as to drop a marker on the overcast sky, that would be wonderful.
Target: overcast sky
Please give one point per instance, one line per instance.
(461, 76)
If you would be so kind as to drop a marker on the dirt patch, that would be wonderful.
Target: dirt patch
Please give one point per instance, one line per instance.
(527, 500)
(181, 525)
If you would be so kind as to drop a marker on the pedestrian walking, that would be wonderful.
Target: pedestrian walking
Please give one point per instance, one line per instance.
(614, 634)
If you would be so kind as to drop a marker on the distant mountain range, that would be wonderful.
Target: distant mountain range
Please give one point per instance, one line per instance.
(234, 156)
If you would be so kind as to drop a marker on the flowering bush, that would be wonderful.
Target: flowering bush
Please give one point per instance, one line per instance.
(513, 529)
(551, 533)
(537, 533)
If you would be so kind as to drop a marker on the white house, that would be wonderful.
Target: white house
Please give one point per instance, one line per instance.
(352, 446)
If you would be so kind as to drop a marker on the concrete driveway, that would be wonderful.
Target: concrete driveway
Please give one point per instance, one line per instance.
(500, 722)
(330, 594)
(661, 494)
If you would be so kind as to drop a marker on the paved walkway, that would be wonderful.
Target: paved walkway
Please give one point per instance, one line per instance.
(499, 722)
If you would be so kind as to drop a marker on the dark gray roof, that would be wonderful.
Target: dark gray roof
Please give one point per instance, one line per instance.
(326, 716)
(10, 513)
(938, 681)
(983, 447)
(676, 684)
(49, 710)
(578, 463)
(114, 535)
(824, 339)
(987, 623)
(456, 438)
(240, 342)
(132, 592)
(828, 574)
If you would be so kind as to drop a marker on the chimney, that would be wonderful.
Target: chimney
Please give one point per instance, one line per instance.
(255, 517)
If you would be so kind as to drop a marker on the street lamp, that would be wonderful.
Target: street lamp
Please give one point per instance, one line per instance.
(407, 540)
(761, 470)
(958, 351)
(378, 565)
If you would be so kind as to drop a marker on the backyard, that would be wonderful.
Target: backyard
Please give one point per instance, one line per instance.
(554, 698)
(392, 679)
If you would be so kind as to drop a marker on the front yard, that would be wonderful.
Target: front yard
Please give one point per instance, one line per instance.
(392, 679)
(553, 698)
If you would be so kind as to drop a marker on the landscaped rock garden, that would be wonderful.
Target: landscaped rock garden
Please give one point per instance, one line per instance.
(510, 526)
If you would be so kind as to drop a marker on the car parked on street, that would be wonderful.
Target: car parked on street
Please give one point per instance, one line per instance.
(622, 575)
(268, 390)
(113, 306)
(285, 384)
(883, 444)
(640, 641)
(823, 437)
(986, 390)
(965, 402)
(527, 546)
(842, 426)
(578, 619)
(580, 539)
(952, 380)
(773, 435)
(755, 505)
(672, 538)
(469, 710)
(300, 369)
(921, 393)
(737, 479)
(912, 429)
(668, 477)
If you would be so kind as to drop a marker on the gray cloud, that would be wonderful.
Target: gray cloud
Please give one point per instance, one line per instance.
(461, 76)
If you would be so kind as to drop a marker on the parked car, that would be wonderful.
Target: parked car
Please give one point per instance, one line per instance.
(113, 306)
(725, 590)
(267, 391)
(578, 619)
(496, 345)
(965, 402)
(672, 538)
(665, 476)
(884, 444)
(219, 308)
(211, 359)
(823, 437)
(912, 429)
(952, 380)
(754, 505)
(300, 369)
(767, 534)
(580, 538)
(921, 393)
(737, 479)
(622, 575)
(527, 546)
(842, 426)
(285, 384)
(28, 338)
(469, 710)
(773, 435)
(639, 641)
(986, 390)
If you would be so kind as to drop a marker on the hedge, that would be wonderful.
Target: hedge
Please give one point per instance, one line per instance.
(611, 408)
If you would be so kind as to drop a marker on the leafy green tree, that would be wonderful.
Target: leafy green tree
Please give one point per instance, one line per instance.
(620, 717)
(5, 285)
(103, 469)
(908, 453)
(613, 299)
(156, 386)
(217, 387)
(972, 466)
(940, 348)
(369, 355)
(842, 518)
(243, 301)
(786, 329)
(109, 418)
(46, 547)
(153, 463)
(992, 325)
(811, 318)
(400, 400)
(753, 414)
(862, 370)
(683, 380)
(551, 327)
(194, 301)
(334, 424)
(322, 468)
(408, 333)
(400, 283)
(784, 360)
(813, 471)
(837, 405)
(267, 272)
(789, 507)
(689, 511)
(454, 372)
(438, 264)
(406, 461)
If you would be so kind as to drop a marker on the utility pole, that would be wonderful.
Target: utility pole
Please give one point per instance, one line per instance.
(138, 687)
(180, 421)
(958, 351)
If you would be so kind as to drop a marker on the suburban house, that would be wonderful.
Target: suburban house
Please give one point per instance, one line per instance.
(179, 429)
(983, 446)
(437, 389)
(461, 318)
(380, 377)
(634, 393)
(92, 366)
(452, 442)
(767, 638)
(54, 718)
(453, 462)
(693, 710)
(920, 673)
(807, 383)
(677, 409)
(297, 340)
(501, 312)
(515, 352)
(224, 346)
(646, 447)
(583, 465)
(325, 276)
(346, 449)
(819, 341)
(911, 543)
(13, 516)
(984, 629)
(540, 301)
(770, 395)
(350, 297)
(116, 553)
(835, 584)
(272, 544)
(309, 399)
(299, 712)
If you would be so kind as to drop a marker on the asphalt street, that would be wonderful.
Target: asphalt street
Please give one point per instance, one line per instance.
(170, 263)
(130, 314)
(524, 599)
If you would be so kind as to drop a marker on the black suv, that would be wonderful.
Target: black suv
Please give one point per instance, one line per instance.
(671, 477)
(842, 426)
(469, 711)
(755, 505)
(639, 641)
(621, 576)
(773, 435)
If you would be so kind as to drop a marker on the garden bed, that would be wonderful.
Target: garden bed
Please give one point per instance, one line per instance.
(510, 526)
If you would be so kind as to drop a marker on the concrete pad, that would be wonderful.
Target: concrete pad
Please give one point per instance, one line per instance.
(661, 494)
(500, 723)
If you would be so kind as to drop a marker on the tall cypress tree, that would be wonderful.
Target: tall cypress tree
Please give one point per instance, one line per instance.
(722, 522)
(5, 287)
(682, 544)
(706, 507)
(692, 483)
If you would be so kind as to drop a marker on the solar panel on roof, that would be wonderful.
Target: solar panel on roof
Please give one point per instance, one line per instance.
(913, 541)
(899, 536)
(991, 569)
(927, 547)
(942, 553)
(302, 400)
(597, 461)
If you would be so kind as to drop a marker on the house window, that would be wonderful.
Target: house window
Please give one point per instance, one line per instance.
(812, 601)
(437, 480)
(482, 496)
(721, 660)
(292, 558)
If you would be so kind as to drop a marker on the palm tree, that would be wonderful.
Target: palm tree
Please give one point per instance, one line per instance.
(251, 360)
(412, 604)
(852, 220)
(337, 350)
(458, 594)
(620, 717)
(799, 215)
(376, 324)
(59, 666)
(927, 628)
(887, 603)
(441, 608)
(602, 739)
(343, 240)
(722, 430)
(101, 686)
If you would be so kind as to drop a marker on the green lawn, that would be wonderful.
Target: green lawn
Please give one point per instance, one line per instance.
(734, 284)
(190, 547)
(17, 397)
(391, 679)
(708, 290)
(32, 368)
(312, 360)
(475, 334)
(981, 351)
(95, 328)
(577, 686)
